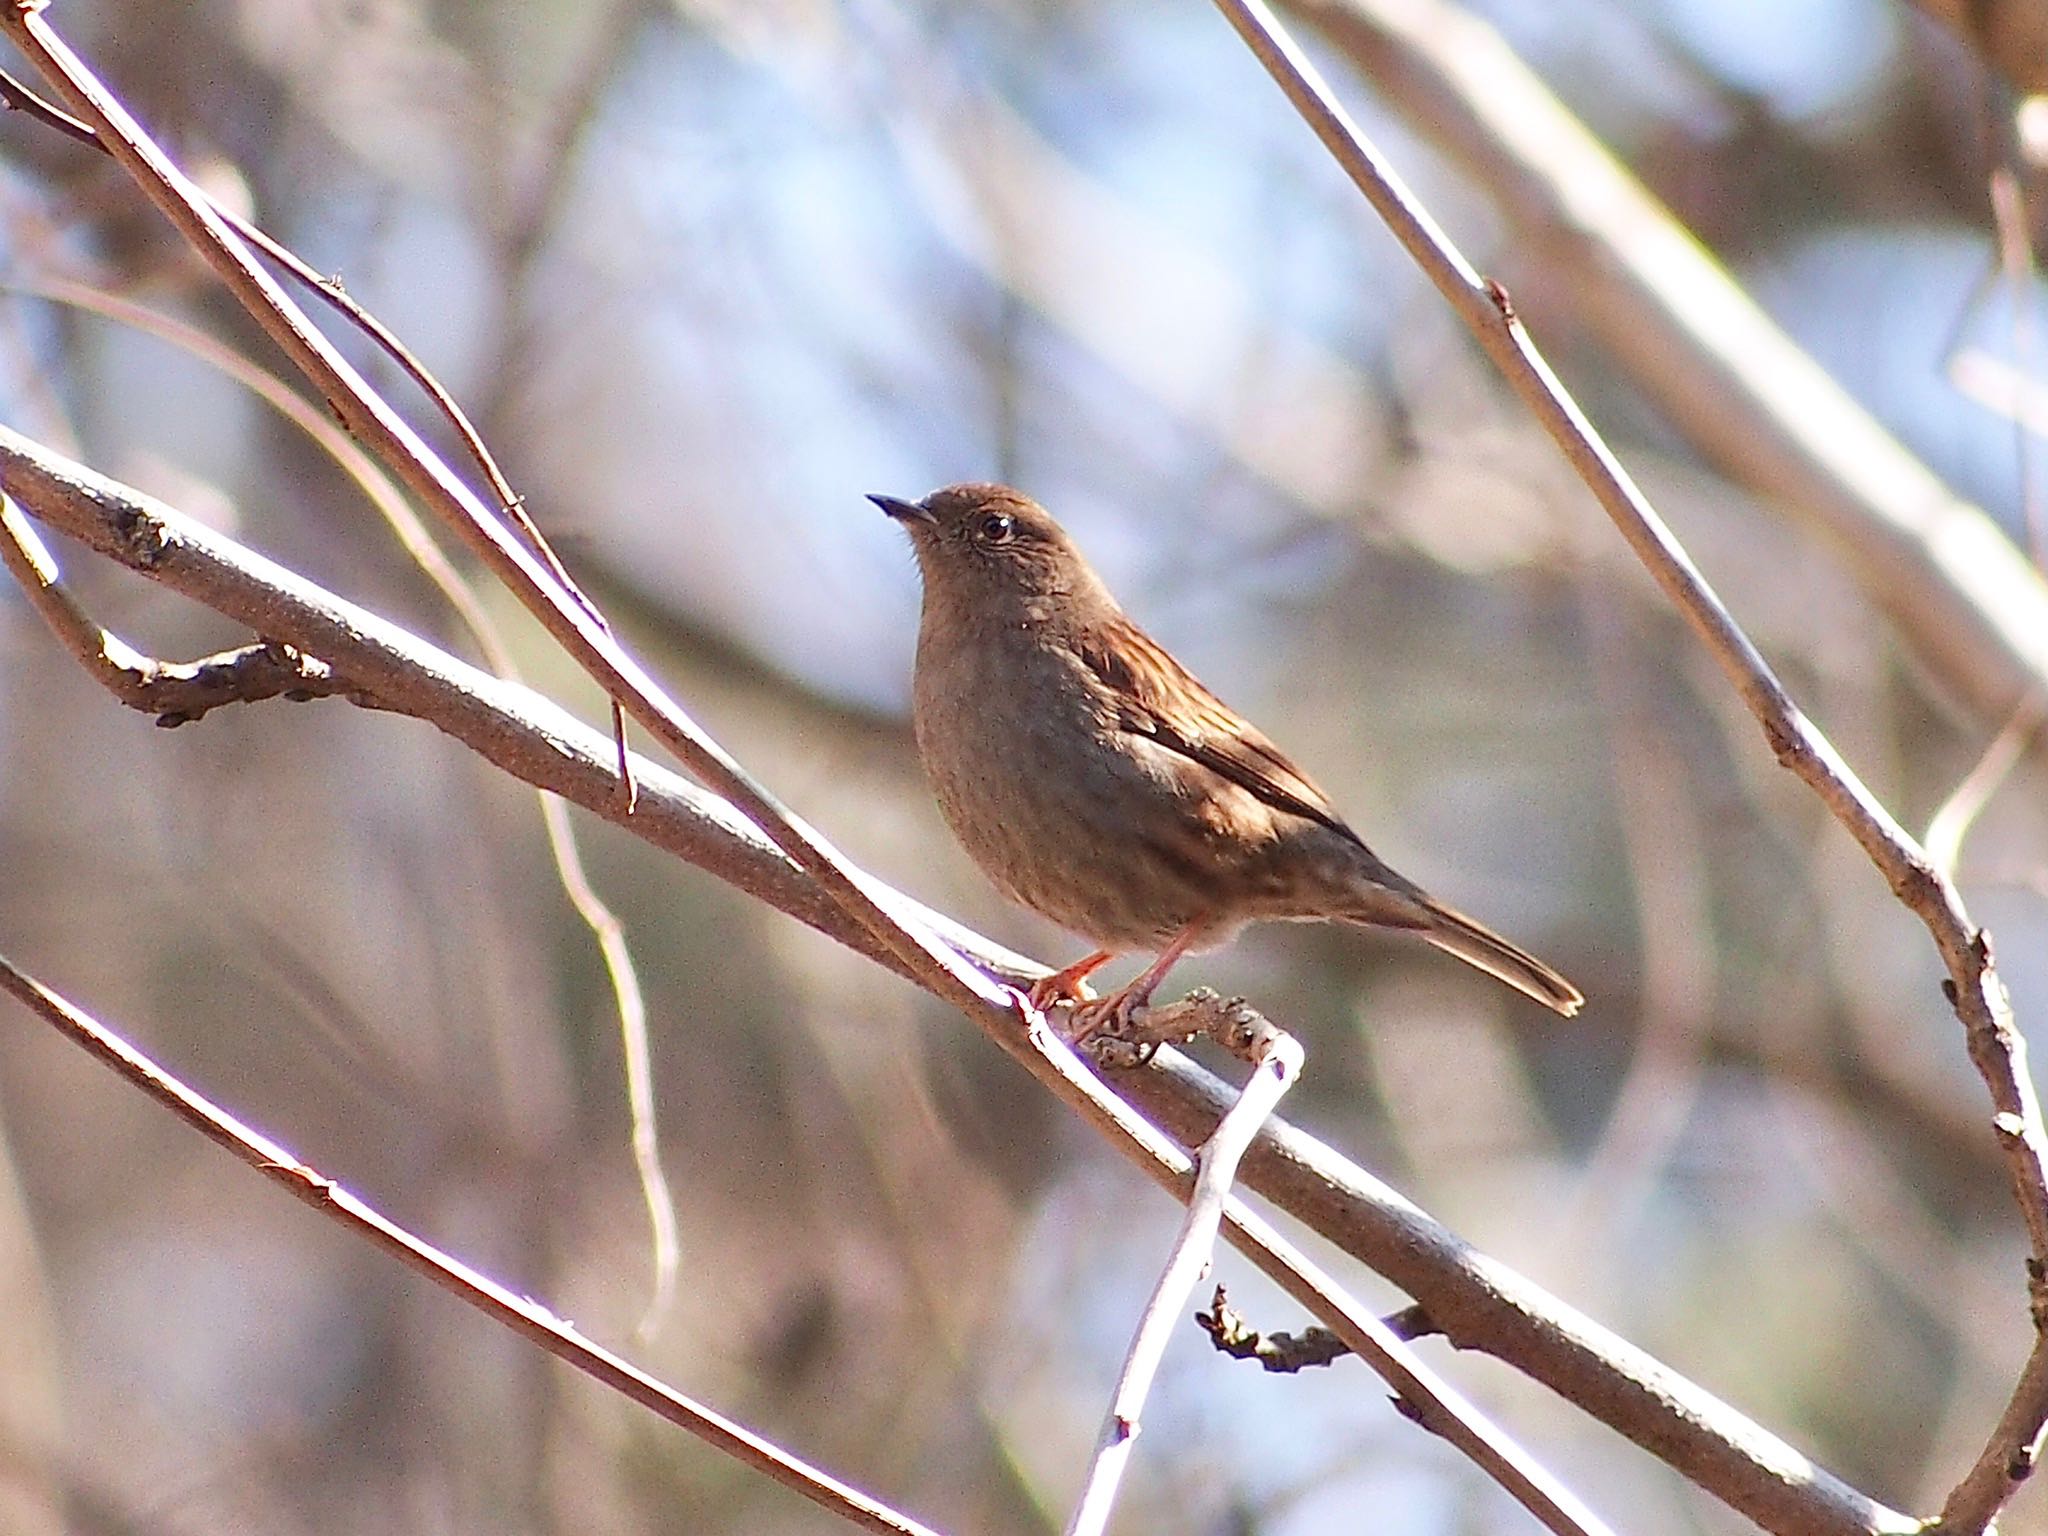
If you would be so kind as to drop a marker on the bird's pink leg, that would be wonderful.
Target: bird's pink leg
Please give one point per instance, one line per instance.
(1117, 1010)
(1070, 984)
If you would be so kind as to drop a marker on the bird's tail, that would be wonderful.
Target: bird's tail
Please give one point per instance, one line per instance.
(1477, 945)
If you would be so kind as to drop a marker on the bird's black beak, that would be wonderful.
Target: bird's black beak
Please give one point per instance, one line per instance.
(903, 511)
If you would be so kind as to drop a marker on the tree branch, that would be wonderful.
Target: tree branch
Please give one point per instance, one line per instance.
(521, 1315)
(177, 693)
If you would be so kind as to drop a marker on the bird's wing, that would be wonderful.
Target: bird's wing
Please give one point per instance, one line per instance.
(1159, 698)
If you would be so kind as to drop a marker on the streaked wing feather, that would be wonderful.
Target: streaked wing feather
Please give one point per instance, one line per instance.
(1161, 699)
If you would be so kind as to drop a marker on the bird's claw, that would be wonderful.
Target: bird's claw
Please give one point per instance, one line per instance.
(1112, 1031)
(1109, 1017)
(1050, 992)
(1068, 984)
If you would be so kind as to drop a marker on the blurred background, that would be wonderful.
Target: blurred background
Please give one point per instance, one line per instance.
(707, 273)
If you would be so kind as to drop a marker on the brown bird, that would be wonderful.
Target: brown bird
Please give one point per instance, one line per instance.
(1097, 782)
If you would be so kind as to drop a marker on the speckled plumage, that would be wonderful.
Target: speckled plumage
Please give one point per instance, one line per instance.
(1096, 781)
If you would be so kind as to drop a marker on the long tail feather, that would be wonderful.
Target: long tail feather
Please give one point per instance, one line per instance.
(1477, 945)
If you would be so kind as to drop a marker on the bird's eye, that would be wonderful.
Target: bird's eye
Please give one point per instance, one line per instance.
(998, 528)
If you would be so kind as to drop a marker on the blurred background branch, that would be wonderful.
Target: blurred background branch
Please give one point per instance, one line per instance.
(2011, 35)
(1601, 248)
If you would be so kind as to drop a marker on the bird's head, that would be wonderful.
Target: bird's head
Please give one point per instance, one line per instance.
(992, 551)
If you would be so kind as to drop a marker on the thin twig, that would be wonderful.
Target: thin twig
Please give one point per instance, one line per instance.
(175, 692)
(520, 1314)
(915, 946)
(1187, 1261)
(1425, 1397)
(18, 97)
(1477, 1302)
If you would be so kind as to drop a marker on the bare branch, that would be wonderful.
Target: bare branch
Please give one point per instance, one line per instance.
(151, 540)
(175, 692)
(522, 1315)
(1186, 1262)
(155, 540)
(1477, 1302)
(851, 900)
(18, 97)
(256, 668)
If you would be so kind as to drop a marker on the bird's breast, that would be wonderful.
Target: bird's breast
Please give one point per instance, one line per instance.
(1065, 810)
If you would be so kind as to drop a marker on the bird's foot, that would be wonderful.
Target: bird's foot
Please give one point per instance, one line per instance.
(1050, 992)
(1113, 1031)
(1067, 985)
(1111, 1017)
